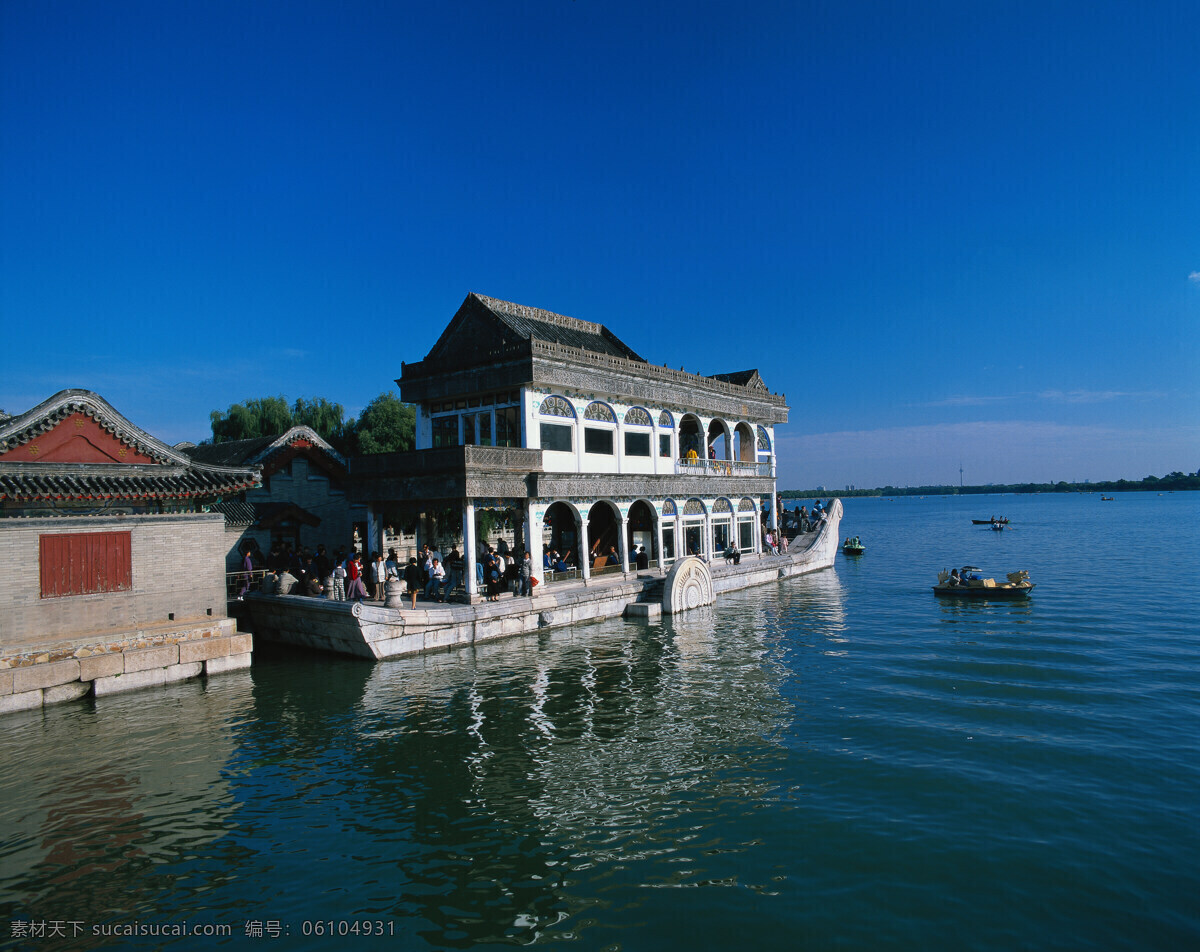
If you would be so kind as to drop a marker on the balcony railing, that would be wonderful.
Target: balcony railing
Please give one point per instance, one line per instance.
(722, 467)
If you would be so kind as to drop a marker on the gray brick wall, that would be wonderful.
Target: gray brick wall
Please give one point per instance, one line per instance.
(311, 491)
(178, 567)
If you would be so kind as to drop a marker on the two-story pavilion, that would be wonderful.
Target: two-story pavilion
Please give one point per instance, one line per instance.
(558, 419)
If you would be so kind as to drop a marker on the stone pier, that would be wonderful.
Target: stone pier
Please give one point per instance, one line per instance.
(372, 630)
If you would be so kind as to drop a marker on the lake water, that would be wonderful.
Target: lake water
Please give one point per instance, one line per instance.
(837, 761)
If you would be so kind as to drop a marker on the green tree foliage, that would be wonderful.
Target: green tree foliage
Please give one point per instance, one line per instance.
(386, 426)
(328, 419)
(253, 418)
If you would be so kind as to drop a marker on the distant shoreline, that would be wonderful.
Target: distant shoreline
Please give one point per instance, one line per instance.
(1174, 482)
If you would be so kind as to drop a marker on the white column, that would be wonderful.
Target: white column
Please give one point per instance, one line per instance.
(585, 563)
(533, 541)
(469, 550)
(578, 424)
(625, 544)
(706, 542)
(658, 531)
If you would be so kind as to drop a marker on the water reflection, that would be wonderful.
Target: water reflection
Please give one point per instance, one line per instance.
(603, 754)
(92, 810)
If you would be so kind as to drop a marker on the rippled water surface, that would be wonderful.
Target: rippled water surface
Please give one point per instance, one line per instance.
(837, 761)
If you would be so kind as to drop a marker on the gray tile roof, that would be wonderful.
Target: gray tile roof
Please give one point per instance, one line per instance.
(256, 450)
(532, 322)
(231, 453)
(742, 378)
(87, 481)
(484, 326)
(172, 475)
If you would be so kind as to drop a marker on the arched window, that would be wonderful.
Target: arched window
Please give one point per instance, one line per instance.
(637, 416)
(637, 442)
(557, 437)
(722, 505)
(764, 441)
(693, 507)
(669, 507)
(747, 505)
(600, 440)
(600, 412)
(665, 419)
(554, 405)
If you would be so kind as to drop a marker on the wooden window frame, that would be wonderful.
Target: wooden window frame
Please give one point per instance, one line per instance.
(85, 563)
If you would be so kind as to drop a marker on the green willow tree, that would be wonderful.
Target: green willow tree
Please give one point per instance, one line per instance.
(386, 423)
(251, 419)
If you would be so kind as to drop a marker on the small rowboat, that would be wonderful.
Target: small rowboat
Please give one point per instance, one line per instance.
(988, 522)
(1017, 586)
(851, 548)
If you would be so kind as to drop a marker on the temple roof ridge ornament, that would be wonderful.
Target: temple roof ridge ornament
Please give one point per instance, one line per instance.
(538, 314)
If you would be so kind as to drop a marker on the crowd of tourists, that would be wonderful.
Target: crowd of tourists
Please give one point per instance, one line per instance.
(803, 519)
(348, 576)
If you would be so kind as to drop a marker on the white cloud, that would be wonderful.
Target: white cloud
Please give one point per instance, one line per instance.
(1194, 277)
(968, 400)
(1098, 396)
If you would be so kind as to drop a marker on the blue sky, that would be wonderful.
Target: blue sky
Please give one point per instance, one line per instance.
(961, 233)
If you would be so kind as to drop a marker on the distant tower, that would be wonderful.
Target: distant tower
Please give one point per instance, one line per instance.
(960, 472)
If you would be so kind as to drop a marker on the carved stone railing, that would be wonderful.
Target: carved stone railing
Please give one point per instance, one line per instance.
(638, 369)
(449, 459)
(723, 467)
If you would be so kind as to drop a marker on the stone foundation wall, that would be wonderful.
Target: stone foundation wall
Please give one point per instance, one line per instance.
(67, 672)
(370, 631)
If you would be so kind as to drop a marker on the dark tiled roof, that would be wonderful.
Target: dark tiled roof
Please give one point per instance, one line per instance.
(742, 378)
(532, 322)
(232, 453)
(257, 450)
(237, 513)
(81, 481)
(485, 327)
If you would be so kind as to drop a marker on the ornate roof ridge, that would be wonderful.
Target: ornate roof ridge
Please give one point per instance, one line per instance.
(715, 381)
(20, 429)
(538, 314)
(297, 432)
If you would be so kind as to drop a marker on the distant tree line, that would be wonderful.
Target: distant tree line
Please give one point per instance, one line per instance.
(386, 424)
(1172, 482)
